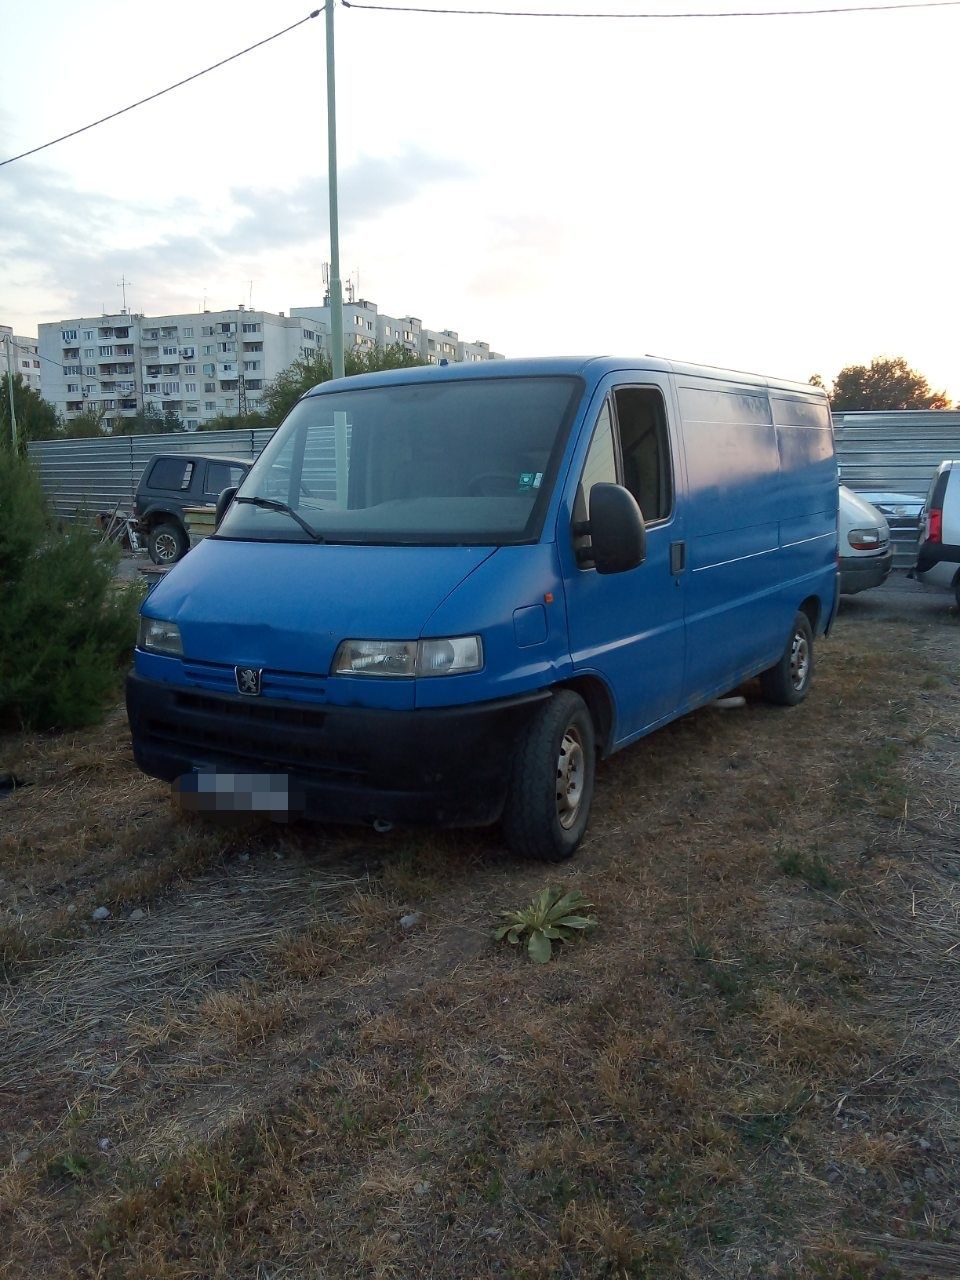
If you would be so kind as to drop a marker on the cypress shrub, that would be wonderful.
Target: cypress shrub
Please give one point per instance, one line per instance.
(67, 628)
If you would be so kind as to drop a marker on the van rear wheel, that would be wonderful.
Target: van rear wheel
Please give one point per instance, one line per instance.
(787, 681)
(551, 785)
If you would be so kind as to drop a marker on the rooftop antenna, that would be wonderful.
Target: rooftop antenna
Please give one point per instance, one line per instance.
(122, 284)
(250, 297)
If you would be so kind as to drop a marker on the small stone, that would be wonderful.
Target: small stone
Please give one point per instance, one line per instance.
(101, 913)
(411, 921)
(393, 1237)
(244, 857)
(421, 1188)
(72, 909)
(930, 1174)
(490, 1232)
(924, 1145)
(22, 1156)
(104, 1144)
(137, 914)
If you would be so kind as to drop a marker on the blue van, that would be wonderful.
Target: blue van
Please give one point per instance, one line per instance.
(441, 593)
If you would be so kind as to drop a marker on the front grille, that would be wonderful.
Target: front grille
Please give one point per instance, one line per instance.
(220, 677)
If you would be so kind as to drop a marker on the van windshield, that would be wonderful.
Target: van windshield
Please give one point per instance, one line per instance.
(441, 463)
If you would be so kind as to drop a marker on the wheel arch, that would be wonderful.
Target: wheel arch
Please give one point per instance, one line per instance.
(813, 608)
(600, 705)
(160, 515)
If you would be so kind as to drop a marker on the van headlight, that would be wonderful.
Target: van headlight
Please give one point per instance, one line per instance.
(158, 636)
(446, 656)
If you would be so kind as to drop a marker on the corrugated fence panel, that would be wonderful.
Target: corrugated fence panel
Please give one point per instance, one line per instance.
(898, 452)
(100, 474)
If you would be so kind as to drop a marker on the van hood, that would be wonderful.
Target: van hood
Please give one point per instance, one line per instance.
(286, 606)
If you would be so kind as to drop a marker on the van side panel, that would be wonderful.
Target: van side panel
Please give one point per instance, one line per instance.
(733, 617)
(809, 491)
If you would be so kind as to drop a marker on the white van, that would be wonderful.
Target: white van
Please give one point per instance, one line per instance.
(938, 562)
(866, 556)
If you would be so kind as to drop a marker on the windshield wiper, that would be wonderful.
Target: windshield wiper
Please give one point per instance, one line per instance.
(274, 504)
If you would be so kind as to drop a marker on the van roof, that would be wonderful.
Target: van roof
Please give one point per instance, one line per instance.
(591, 368)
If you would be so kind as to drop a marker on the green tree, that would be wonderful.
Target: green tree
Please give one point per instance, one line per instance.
(237, 422)
(66, 628)
(147, 421)
(285, 390)
(36, 419)
(88, 423)
(886, 383)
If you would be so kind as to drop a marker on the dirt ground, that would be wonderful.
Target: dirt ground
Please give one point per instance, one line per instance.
(750, 1069)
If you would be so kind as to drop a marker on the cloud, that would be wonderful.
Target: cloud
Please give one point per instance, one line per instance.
(77, 244)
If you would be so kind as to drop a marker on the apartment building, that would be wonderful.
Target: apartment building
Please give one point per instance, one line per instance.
(364, 326)
(24, 357)
(199, 365)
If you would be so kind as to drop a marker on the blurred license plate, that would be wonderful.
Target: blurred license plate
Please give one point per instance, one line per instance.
(209, 791)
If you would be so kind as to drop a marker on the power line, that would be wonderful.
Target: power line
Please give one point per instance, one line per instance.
(160, 92)
(755, 13)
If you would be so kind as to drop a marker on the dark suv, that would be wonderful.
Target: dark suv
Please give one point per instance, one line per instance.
(172, 481)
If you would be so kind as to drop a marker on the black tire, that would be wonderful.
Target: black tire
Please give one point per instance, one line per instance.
(167, 543)
(786, 683)
(551, 784)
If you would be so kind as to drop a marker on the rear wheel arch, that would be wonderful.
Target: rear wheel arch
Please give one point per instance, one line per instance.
(813, 609)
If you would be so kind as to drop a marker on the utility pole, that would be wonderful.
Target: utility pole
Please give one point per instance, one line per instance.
(336, 287)
(13, 411)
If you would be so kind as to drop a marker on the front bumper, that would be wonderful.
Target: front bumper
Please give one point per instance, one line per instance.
(858, 573)
(448, 767)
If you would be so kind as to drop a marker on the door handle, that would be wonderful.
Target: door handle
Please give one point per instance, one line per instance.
(678, 557)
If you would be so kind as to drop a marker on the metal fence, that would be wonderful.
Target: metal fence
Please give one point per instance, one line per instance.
(896, 452)
(84, 477)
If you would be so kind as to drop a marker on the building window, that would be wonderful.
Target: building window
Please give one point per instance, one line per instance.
(189, 369)
(226, 346)
(190, 388)
(310, 337)
(72, 388)
(88, 353)
(170, 351)
(209, 405)
(106, 351)
(386, 331)
(209, 370)
(188, 333)
(250, 327)
(207, 330)
(87, 335)
(209, 386)
(192, 424)
(253, 346)
(251, 364)
(68, 335)
(254, 384)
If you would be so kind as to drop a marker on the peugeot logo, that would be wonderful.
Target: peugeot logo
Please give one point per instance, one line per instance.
(248, 680)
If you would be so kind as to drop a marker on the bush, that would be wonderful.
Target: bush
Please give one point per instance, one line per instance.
(66, 628)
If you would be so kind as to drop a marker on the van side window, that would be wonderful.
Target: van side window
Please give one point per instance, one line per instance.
(600, 467)
(645, 450)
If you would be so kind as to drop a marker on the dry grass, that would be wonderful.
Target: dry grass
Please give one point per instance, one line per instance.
(749, 1070)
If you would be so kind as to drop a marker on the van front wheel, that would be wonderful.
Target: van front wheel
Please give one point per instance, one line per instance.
(551, 786)
(786, 683)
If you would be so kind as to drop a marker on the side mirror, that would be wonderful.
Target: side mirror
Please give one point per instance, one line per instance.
(618, 535)
(226, 497)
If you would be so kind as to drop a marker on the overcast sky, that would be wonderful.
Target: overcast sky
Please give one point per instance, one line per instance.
(772, 194)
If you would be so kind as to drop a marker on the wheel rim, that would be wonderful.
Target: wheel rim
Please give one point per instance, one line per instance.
(799, 660)
(570, 777)
(166, 547)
